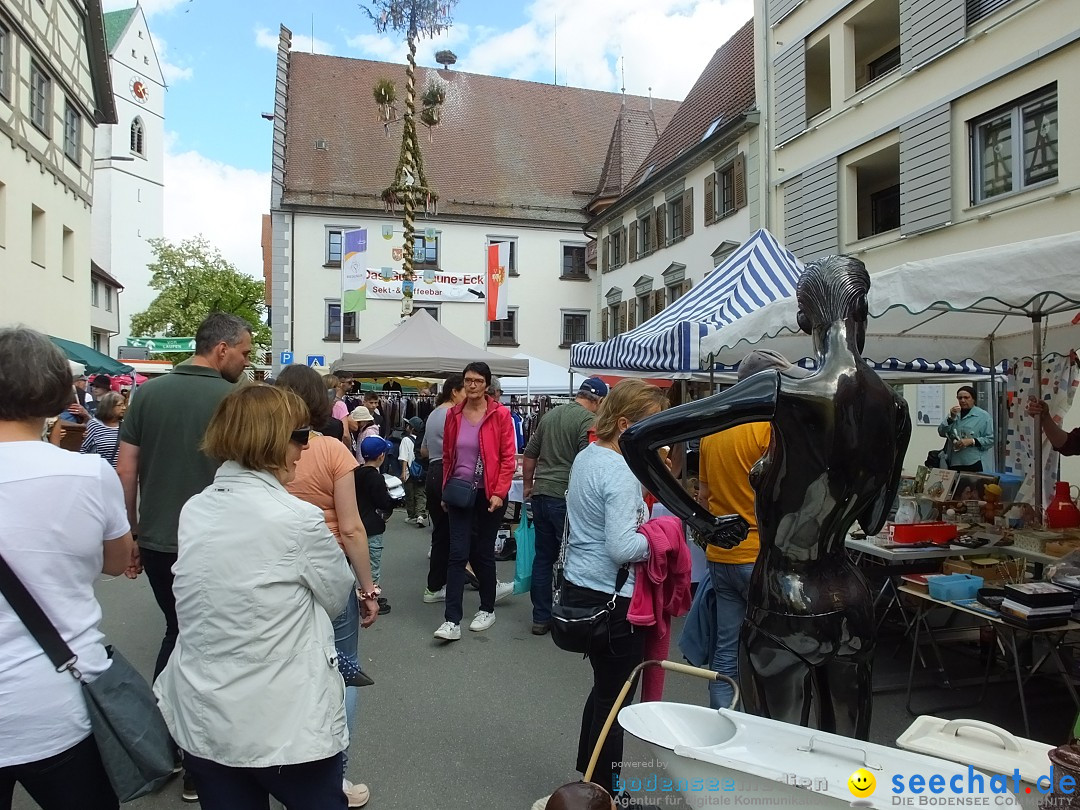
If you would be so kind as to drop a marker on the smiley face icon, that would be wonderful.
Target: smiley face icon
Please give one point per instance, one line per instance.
(862, 783)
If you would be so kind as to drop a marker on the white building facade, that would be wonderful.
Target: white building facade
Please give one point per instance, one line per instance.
(54, 91)
(129, 179)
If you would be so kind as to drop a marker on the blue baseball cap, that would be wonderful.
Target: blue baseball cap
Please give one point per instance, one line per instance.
(374, 446)
(595, 386)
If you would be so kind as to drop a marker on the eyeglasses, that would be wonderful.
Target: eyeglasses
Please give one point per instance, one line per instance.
(301, 436)
(472, 382)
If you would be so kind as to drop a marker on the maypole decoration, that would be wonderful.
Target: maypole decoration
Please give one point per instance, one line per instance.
(414, 18)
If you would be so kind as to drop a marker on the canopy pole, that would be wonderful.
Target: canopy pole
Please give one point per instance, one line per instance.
(1036, 354)
(999, 446)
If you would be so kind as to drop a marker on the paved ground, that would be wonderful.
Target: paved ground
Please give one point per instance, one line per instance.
(491, 721)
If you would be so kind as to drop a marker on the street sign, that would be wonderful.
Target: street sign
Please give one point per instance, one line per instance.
(286, 358)
(164, 344)
(316, 361)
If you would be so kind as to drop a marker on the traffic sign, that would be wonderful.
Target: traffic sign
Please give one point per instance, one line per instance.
(286, 358)
(316, 361)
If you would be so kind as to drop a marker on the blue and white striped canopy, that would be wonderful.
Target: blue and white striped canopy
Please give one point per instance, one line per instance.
(761, 270)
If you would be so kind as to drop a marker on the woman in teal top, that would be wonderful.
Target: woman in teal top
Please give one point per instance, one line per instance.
(970, 430)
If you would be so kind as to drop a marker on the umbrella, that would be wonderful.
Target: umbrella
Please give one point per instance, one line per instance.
(94, 361)
(975, 307)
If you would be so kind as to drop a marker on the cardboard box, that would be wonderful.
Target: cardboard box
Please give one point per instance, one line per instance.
(993, 570)
(1059, 548)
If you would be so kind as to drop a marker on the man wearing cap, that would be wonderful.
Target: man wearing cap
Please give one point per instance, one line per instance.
(724, 489)
(561, 434)
(415, 497)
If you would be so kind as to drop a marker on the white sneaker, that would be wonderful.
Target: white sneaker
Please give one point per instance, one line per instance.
(448, 631)
(482, 621)
(358, 795)
(435, 596)
(503, 590)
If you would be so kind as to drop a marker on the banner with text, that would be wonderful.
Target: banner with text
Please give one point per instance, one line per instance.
(429, 286)
(353, 277)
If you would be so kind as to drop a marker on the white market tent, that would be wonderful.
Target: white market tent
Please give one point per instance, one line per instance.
(544, 378)
(422, 347)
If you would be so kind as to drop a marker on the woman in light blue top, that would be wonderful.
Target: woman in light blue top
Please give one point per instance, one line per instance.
(604, 506)
(970, 431)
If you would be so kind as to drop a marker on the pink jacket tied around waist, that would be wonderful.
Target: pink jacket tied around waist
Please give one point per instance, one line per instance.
(661, 590)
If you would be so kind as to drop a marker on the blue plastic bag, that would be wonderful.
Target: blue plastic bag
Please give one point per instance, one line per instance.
(525, 537)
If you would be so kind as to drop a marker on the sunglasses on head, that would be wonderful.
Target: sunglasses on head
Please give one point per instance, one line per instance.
(301, 435)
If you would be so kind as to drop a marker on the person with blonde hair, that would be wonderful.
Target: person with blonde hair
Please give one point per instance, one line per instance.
(605, 507)
(251, 694)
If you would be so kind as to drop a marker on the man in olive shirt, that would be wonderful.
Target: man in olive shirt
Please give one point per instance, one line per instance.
(561, 434)
(160, 463)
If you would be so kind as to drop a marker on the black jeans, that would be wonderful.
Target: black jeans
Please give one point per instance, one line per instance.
(306, 786)
(472, 540)
(158, 567)
(72, 778)
(440, 528)
(976, 467)
(612, 662)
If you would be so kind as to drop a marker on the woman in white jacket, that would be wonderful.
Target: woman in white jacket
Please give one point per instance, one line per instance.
(252, 693)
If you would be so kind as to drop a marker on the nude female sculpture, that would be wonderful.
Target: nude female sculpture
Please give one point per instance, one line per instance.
(838, 443)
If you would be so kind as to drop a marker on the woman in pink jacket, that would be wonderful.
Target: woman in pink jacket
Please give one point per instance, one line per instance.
(478, 464)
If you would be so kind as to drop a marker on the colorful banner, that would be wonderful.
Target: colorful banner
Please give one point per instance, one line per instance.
(498, 260)
(353, 272)
(164, 344)
(433, 287)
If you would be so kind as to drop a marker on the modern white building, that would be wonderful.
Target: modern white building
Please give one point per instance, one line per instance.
(129, 180)
(104, 308)
(54, 91)
(686, 202)
(512, 161)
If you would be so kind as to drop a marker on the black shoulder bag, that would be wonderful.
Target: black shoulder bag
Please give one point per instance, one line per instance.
(135, 746)
(575, 628)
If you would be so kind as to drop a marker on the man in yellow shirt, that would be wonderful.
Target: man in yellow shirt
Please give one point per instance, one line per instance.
(724, 488)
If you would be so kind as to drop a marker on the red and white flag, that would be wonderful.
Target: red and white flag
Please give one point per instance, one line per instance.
(498, 261)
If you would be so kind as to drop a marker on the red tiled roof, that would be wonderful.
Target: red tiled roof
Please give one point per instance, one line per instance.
(723, 92)
(505, 148)
(634, 136)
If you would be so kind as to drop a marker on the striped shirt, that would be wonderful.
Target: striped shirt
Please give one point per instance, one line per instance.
(101, 439)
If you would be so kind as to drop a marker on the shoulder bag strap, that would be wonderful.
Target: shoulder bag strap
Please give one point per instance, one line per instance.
(31, 614)
(620, 578)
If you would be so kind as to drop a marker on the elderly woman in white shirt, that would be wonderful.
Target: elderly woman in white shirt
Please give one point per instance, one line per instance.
(252, 693)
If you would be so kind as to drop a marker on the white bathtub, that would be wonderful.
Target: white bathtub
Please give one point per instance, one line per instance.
(717, 758)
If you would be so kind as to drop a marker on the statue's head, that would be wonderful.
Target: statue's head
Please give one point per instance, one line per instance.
(831, 289)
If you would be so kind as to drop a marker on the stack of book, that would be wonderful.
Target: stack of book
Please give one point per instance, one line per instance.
(1037, 605)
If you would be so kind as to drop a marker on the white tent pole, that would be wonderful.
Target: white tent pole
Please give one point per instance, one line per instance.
(999, 446)
(1036, 354)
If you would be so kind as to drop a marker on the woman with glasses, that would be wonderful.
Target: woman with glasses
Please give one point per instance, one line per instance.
(478, 456)
(326, 478)
(251, 694)
(604, 507)
(103, 430)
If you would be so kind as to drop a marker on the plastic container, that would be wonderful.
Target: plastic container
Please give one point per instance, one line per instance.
(936, 532)
(954, 586)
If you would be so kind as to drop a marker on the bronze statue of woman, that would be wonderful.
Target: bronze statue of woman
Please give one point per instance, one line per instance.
(838, 443)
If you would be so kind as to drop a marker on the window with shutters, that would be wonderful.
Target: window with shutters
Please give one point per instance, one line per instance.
(573, 262)
(618, 239)
(512, 241)
(818, 78)
(646, 236)
(575, 325)
(40, 97)
(725, 190)
(504, 332)
(644, 307)
(875, 39)
(877, 190)
(1015, 147)
(659, 300)
(977, 9)
(675, 220)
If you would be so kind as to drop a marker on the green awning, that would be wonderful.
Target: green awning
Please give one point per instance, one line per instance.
(95, 361)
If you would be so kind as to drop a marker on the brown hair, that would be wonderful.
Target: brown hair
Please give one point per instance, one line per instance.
(108, 406)
(35, 378)
(633, 399)
(306, 383)
(251, 426)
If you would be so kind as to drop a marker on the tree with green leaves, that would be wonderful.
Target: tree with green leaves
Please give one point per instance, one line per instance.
(414, 18)
(193, 279)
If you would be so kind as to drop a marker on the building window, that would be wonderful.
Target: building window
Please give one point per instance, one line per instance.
(72, 132)
(875, 39)
(138, 141)
(573, 262)
(885, 210)
(645, 240)
(674, 292)
(108, 298)
(675, 219)
(333, 248)
(5, 50)
(877, 191)
(37, 236)
(617, 258)
(574, 328)
(725, 191)
(504, 332)
(818, 79)
(333, 322)
(95, 293)
(426, 251)
(98, 342)
(512, 269)
(40, 88)
(430, 309)
(67, 268)
(1016, 147)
